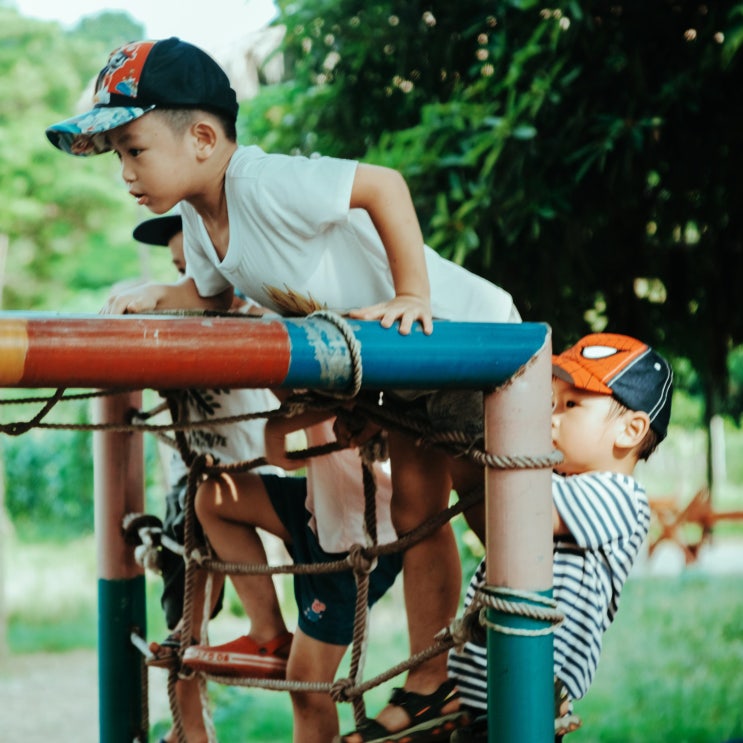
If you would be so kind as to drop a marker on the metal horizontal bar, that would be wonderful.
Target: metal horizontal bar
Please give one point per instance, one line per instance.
(170, 351)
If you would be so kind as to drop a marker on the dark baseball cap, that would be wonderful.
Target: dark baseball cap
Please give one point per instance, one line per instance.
(159, 230)
(139, 77)
(619, 365)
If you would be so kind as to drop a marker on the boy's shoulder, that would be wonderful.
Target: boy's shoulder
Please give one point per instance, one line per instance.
(598, 481)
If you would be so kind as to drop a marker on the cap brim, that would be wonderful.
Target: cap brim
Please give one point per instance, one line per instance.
(80, 135)
(158, 231)
(573, 373)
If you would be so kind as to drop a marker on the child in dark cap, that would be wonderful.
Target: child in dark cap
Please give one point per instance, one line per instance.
(295, 233)
(228, 443)
(611, 408)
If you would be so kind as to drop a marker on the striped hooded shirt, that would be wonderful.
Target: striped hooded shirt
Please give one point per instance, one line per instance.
(607, 516)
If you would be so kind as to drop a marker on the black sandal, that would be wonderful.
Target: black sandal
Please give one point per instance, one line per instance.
(427, 723)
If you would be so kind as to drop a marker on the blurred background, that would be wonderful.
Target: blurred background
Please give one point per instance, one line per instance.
(585, 156)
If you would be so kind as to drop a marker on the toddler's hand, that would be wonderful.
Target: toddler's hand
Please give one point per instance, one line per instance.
(407, 308)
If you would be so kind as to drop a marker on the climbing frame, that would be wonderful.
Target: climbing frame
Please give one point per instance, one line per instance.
(512, 362)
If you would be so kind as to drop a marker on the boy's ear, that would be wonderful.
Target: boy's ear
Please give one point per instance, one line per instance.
(205, 137)
(636, 424)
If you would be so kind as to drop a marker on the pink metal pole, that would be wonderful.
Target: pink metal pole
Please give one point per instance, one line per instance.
(119, 490)
(519, 555)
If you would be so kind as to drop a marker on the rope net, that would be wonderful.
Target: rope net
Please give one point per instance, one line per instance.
(144, 532)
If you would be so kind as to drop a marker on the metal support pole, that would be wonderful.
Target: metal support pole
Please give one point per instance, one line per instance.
(119, 489)
(519, 556)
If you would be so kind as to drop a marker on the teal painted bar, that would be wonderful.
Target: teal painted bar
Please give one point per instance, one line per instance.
(520, 681)
(460, 355)
(121, 607)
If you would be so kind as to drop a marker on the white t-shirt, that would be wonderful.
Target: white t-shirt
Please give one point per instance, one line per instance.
(335, 495)
(607, 515)
(231, 442)
(292, 235)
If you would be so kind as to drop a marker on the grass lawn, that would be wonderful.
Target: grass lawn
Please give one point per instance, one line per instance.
(672, 668)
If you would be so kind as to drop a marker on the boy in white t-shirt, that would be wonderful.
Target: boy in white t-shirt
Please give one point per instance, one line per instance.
(291, 232)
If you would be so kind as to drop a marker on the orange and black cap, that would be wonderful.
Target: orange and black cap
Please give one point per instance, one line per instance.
(624, 367)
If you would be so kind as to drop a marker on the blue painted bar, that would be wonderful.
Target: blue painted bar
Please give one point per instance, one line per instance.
(455, 355)
(520, 679)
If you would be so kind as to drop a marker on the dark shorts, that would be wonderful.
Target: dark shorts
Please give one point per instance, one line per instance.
(173, 567)
(326, 601)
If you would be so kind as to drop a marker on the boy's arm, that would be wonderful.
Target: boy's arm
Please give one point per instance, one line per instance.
(559, 527)
(151, 297)
(277, 429)
(384, 194)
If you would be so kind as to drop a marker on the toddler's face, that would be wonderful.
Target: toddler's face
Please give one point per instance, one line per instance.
(583, 428)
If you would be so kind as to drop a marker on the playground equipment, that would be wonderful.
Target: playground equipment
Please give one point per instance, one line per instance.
(688, 526)
(323, 352)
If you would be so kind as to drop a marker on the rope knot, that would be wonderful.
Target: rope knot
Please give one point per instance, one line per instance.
(358, 558)
(467, 628)
(339, 690)
(376, 449)
(526, 604)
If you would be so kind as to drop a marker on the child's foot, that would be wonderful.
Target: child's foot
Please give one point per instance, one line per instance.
(165, 653)
(242, 657)
(427, 717)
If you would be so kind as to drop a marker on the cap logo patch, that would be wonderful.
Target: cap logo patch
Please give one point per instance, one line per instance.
(122, 73)
(598, 352)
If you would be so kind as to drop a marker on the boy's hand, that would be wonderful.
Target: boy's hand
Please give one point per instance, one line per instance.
(143, 298)
(353, 430)
(275, 438)
(407, 308)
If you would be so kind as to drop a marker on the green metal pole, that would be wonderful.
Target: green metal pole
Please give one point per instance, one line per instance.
(519, 556)
(119, 490)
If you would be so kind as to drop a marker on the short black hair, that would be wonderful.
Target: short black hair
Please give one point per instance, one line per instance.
(180, 119)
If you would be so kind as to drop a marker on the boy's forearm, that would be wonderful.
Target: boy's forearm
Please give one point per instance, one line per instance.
(156, 297)
(185, 296)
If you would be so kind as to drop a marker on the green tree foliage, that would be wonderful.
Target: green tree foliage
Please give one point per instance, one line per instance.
(50, 483)
(584, 156)
(68, 221)
(111, 28)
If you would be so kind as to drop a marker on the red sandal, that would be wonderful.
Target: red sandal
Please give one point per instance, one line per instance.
(242, 657)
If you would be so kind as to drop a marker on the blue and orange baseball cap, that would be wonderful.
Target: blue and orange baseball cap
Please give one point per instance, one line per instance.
(624, 367)
(138, 78)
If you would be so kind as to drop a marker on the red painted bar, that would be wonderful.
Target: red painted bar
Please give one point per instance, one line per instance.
(141, 351)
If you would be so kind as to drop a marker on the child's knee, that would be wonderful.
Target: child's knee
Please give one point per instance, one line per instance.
(205, 503)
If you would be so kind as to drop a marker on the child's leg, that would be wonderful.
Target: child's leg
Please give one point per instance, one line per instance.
(315, 714)
(432, 572)
(189, 702)
(230, 508)
(469, 478)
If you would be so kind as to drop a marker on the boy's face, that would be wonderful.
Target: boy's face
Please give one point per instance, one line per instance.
(176, 252)
(155, 162)
(584, 429)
